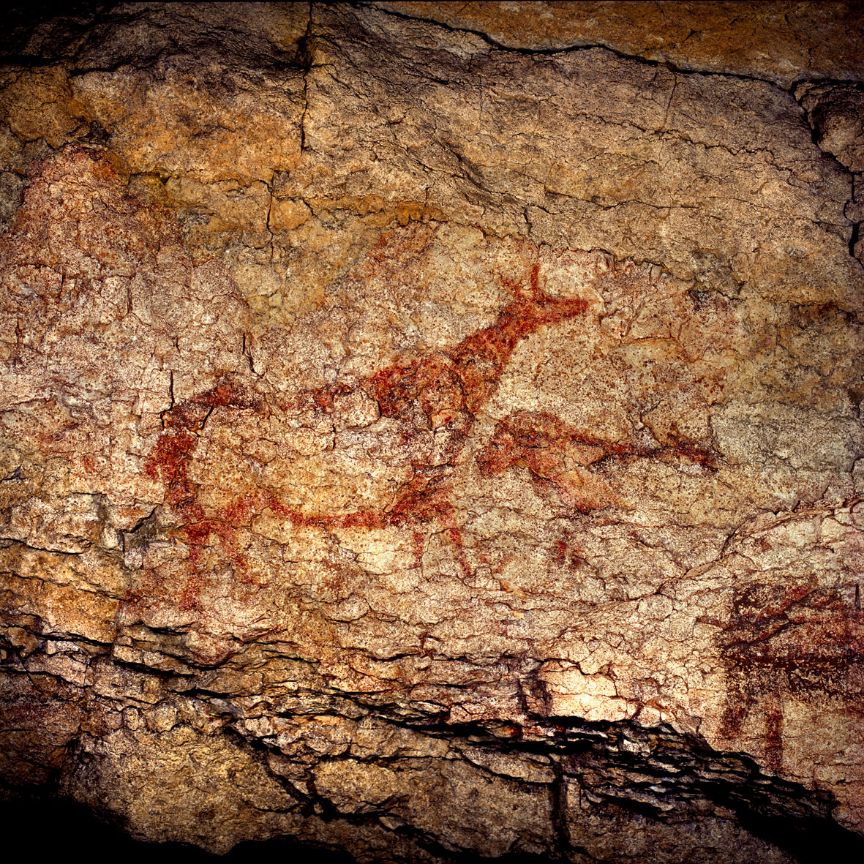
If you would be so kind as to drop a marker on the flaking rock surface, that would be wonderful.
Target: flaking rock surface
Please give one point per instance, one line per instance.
(433, 430)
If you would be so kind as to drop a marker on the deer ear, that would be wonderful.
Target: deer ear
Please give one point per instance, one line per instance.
(535, 280)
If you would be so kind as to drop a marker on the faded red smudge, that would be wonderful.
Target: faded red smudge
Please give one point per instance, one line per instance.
(418, 543)
(561, 551)
(169, 462)
(550, 449)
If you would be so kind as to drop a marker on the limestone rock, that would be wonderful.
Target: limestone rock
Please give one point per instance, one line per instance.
(435, 431)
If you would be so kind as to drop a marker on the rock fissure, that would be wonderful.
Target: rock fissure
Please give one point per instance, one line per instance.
(435, 438)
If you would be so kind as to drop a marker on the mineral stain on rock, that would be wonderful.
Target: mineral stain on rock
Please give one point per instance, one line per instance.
(432, 432)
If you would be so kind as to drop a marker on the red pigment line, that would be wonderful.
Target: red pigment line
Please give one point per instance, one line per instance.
(473, 368)
(170, 458)
(422, 501)
(774, 736)
(456, 382)
(169, 462)
(455, 535)
(535, 280)
(418, 544)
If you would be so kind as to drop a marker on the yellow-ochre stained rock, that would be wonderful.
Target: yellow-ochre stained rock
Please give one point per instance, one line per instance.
(434, 430)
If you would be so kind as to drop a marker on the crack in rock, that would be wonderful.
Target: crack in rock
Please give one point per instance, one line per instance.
(432, 432)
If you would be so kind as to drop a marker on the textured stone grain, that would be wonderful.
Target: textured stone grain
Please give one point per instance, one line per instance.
(434, 430)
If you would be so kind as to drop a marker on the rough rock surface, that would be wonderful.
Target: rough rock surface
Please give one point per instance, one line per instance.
(434, 430)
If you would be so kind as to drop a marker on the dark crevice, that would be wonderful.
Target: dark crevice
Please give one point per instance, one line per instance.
(639, 770)
(305, 56)
(77, 833)
(584, 46)
(560, 824)
(854, 237)
(612, 762)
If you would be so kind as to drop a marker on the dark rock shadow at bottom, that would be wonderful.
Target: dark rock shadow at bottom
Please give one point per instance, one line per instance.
(59, 829)
(809, 841)
(62, 830)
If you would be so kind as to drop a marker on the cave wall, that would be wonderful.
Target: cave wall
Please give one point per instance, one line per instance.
(433, 430)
